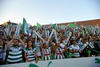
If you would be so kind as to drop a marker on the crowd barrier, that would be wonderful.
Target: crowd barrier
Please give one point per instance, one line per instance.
(71, 62)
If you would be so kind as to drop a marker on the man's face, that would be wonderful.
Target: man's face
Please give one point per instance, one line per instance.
(74, 42)
(15, 42)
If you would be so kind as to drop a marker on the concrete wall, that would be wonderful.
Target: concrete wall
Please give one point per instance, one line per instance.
(72, 62)
(85, 23)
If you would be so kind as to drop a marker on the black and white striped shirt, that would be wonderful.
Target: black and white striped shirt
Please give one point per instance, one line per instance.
(30, 52)
(15, 54)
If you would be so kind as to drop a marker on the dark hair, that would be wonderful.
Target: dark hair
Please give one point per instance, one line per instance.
(72, 41)
(28, 41)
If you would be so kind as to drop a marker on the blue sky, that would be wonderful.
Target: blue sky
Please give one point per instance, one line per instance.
(49, 11)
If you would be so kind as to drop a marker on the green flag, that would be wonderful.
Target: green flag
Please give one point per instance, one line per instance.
(55, 25)
(72, 25)
(23, 25)
(51, 56)
(88, 28)
(89, 52)
(83, 33)
(39, 25)
(69, 54)
(49, 63)
(78, 26)
(33, 65)
(63, 26)
(27, 29)
(97, 60)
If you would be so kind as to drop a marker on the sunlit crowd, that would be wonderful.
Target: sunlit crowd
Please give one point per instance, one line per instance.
(48, 42)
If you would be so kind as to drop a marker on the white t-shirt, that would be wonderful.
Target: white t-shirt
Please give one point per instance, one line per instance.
(62, 45)
(74, 47)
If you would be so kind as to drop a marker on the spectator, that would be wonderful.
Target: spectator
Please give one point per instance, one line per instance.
(45, 52)
(74, 49)
(15, 50)
(2, 52)
(58, 52)
(30, 52)
(65, 52)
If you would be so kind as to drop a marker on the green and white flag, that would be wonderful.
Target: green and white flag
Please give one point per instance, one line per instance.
(27, 29)
(83, 33)
(78, 26)
(63, 26)
(39, 25)
(18, 30)
(88, 28)
(23, 25)
(72, 25)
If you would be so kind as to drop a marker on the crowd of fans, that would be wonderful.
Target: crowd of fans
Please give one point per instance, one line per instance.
(48, 43)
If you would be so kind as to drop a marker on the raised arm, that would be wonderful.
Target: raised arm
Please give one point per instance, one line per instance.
(36, 56)
(23, 44)
(8, 45)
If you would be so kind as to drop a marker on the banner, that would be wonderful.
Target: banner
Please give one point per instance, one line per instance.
(72, 25)
(23, 25)
(83, 33)
(78, 26)
(63, 26)
(26, 27)
(39, 25)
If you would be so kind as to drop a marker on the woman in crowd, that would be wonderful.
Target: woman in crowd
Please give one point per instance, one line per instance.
(30, 53)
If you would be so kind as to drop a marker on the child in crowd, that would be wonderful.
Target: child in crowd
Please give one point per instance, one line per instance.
(45, 52)
(58, 52)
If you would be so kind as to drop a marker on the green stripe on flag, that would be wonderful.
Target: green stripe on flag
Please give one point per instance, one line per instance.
(78, 26)
(83, 33)
(72, 25)
(23, 25)
(39, 25)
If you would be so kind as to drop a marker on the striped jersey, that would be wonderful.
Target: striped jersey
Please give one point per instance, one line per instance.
(75, 47)
(59, 54)
(15, 54)
(30, 52)
(46, 54)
